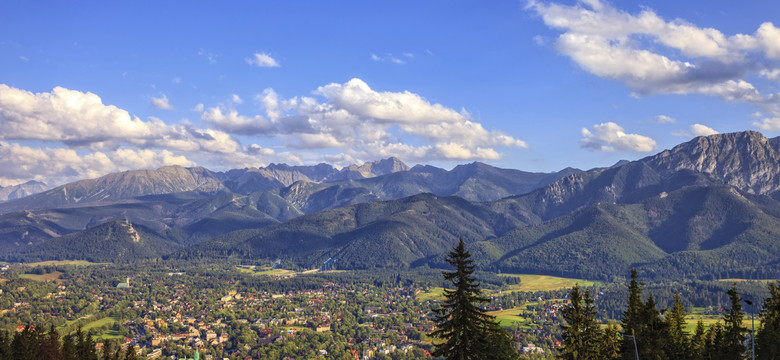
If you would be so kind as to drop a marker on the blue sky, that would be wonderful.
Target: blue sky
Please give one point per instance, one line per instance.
(100, 87)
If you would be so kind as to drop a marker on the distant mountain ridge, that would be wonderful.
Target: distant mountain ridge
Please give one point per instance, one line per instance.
(705, 208)
(21, 190)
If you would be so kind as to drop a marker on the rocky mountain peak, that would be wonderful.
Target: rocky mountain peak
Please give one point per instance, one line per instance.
(746, 160)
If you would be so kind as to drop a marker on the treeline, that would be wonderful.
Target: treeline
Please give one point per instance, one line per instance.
(33, 343)
(649, 333)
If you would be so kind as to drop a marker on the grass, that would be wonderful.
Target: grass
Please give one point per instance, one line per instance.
(435, 293)
(508, 317)
(264, 271)
(765, 281)
(697, 314)
(53, 276)
(63, 262)
(531, 283)
(106, 321)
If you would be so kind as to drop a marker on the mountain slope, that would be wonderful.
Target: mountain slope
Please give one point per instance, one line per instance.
(21, 190)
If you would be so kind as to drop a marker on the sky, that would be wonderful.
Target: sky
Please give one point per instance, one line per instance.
(90, 88)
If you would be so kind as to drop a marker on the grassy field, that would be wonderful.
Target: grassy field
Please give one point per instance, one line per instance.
(764, 281)
(94, 325)
(53, 276)
(63, 262)
(532, 283)
(435, 293)
(508, 317)
(264, 271)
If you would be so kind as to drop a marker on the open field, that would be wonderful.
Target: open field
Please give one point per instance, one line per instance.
(264, 271)
(532, 283)
(765, 281)
(435, 293)
(508, 317)
(94, 325)
(63, 262)
(53, 276)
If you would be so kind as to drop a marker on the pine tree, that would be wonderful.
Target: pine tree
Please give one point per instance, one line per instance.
(698, 342)
(468, 331)
(733, 332)
(610, 342)
(633, 318)
(130, 354)
(581, 333)
(768, 336)
(677, 341)
(51, 348)
(68, 348)
(5, 345)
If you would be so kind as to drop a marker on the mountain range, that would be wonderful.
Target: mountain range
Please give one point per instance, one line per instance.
(707, 208)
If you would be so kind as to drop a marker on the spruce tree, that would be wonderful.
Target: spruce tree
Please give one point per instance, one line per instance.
(734, 334)
(768, 336)
(633, 318)
(582, 336)
(698, 342)
(677, 341)
(468, 331)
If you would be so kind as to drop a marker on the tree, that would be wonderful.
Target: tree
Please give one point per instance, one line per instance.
(677, 341)
(768, 337)
(582, 336)
(734, 334)
(699, 341)
(468, 331)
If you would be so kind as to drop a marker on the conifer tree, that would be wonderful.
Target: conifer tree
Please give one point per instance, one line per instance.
(5, 345)
(768, 337)
(68, 348)
(467, 330)
(50, 345)
(677, 341)
(610, 342)
(633, 317)
(581, 333)
(734, 334)
(699, 342)
(130, 354)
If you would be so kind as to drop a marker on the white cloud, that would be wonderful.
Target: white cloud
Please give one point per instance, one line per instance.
(702, 130)
(610, 136)
(262, 60)
(653, 55)
(696, 130)
(237, 99)
(162, 103)
(391, 58)
(663, 119)
(60, 165)
(234, 123)
(768, 124)
(80, 119)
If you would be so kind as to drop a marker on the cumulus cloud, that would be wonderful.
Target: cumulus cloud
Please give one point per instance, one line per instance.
(768, 123)
(162, 102)
(262, 60)
(366, 124)
(696, 130)
(610, 137)
(653, 55)
(81, 120)
(702, 130)
(663, 119)
(60, 165)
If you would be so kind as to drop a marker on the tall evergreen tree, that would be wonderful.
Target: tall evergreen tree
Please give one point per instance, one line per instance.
(50, 345)
(610, 342)
(581, 333)
(768, 337)
(633, 318)
(734, 334)
(68, 348)
(468, 331)
(699, 342)
(677, 341)
(130, 353)
(5, 345)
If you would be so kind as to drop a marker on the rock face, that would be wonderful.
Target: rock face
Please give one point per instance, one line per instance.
(370, 169)
(19, 191)
(746, 160)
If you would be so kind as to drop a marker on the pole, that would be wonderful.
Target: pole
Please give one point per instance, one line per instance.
(636, 351)
(752, 324)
